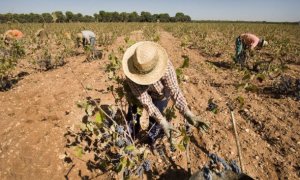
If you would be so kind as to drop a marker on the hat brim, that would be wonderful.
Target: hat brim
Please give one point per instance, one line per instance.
(149, 78)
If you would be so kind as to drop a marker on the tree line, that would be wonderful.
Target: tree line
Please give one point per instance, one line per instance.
(102, 16)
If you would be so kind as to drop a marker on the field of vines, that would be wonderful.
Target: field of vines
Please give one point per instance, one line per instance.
(63, 108)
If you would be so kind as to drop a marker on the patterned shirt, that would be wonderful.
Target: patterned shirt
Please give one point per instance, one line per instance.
(164, 88)
(250, 40)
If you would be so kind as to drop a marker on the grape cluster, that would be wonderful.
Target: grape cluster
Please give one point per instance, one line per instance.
(235, 168)
(213, 163)
(212, 106)
(106, 135)
(216, 159)
(147, 165)
(284, 85)
(206, 173)
(127, 141)
(155, 133)
(120, 143)
(120, 129)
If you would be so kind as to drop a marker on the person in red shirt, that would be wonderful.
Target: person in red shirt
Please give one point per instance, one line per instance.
(245, 42)
(11, 35)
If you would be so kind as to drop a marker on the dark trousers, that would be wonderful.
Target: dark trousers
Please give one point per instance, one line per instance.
(156, 130)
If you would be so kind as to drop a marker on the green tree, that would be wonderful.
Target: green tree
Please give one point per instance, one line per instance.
(146, 17)
(47, 17)
(60, 17)
(164, 17)
(69, 16)
(124, 17)
(133, 17)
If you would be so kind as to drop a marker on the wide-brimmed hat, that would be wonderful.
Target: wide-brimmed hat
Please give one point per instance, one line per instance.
(145, 62)
(262, 43)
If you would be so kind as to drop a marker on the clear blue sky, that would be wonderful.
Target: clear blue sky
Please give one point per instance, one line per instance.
(255, 10)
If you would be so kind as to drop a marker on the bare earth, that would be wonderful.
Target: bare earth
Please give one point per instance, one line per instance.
(35, 114)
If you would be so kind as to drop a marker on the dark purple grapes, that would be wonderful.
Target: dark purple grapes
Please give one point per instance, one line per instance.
(120, 143)
(147, 165)
(211, 106)
(106, 135)
(235, 168)
(207, 173)
(155, 133)
(120, 129)
(217, 159)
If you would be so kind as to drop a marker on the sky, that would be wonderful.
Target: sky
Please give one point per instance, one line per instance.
(247, 10)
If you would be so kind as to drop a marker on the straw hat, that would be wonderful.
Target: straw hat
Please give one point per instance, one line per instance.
(145, 62)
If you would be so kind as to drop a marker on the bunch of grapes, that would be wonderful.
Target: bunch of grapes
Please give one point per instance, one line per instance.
(120, 129)
(284, 86)
(212, 106)
(120, 143)
(106, 135)
(155, 133)
(147, 165)
(235, 168)
(216, 159)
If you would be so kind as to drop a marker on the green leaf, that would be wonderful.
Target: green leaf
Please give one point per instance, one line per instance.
(129, 148)
(240, 100)
(186, 61)
(139, 111)
(181, 147)
(215, 110)
(247, 77)
(99, 117)
(78, 151)
(121, 165)
(170, 113)
(186, 140)
(251, 87)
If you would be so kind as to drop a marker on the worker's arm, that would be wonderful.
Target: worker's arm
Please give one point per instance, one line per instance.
(171, 83)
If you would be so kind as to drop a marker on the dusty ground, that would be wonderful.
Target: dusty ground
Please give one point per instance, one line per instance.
(35, 114)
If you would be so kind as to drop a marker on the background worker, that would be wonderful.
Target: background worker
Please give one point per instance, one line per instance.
(12, 35)
(85, 38)
(245, 42)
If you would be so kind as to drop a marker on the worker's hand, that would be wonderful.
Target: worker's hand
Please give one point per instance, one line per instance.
(196, 121)
(167, 127)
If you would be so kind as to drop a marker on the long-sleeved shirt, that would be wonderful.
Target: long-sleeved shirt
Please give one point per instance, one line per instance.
(88, 35)
(165, 87)
(250, 40)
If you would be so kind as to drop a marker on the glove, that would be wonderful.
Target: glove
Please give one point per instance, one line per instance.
(167, 127)
(196, 121)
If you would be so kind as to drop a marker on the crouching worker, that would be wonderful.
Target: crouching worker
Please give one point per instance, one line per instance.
(86, 38)
(151, 78)
(12, 35)
(245, 42)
